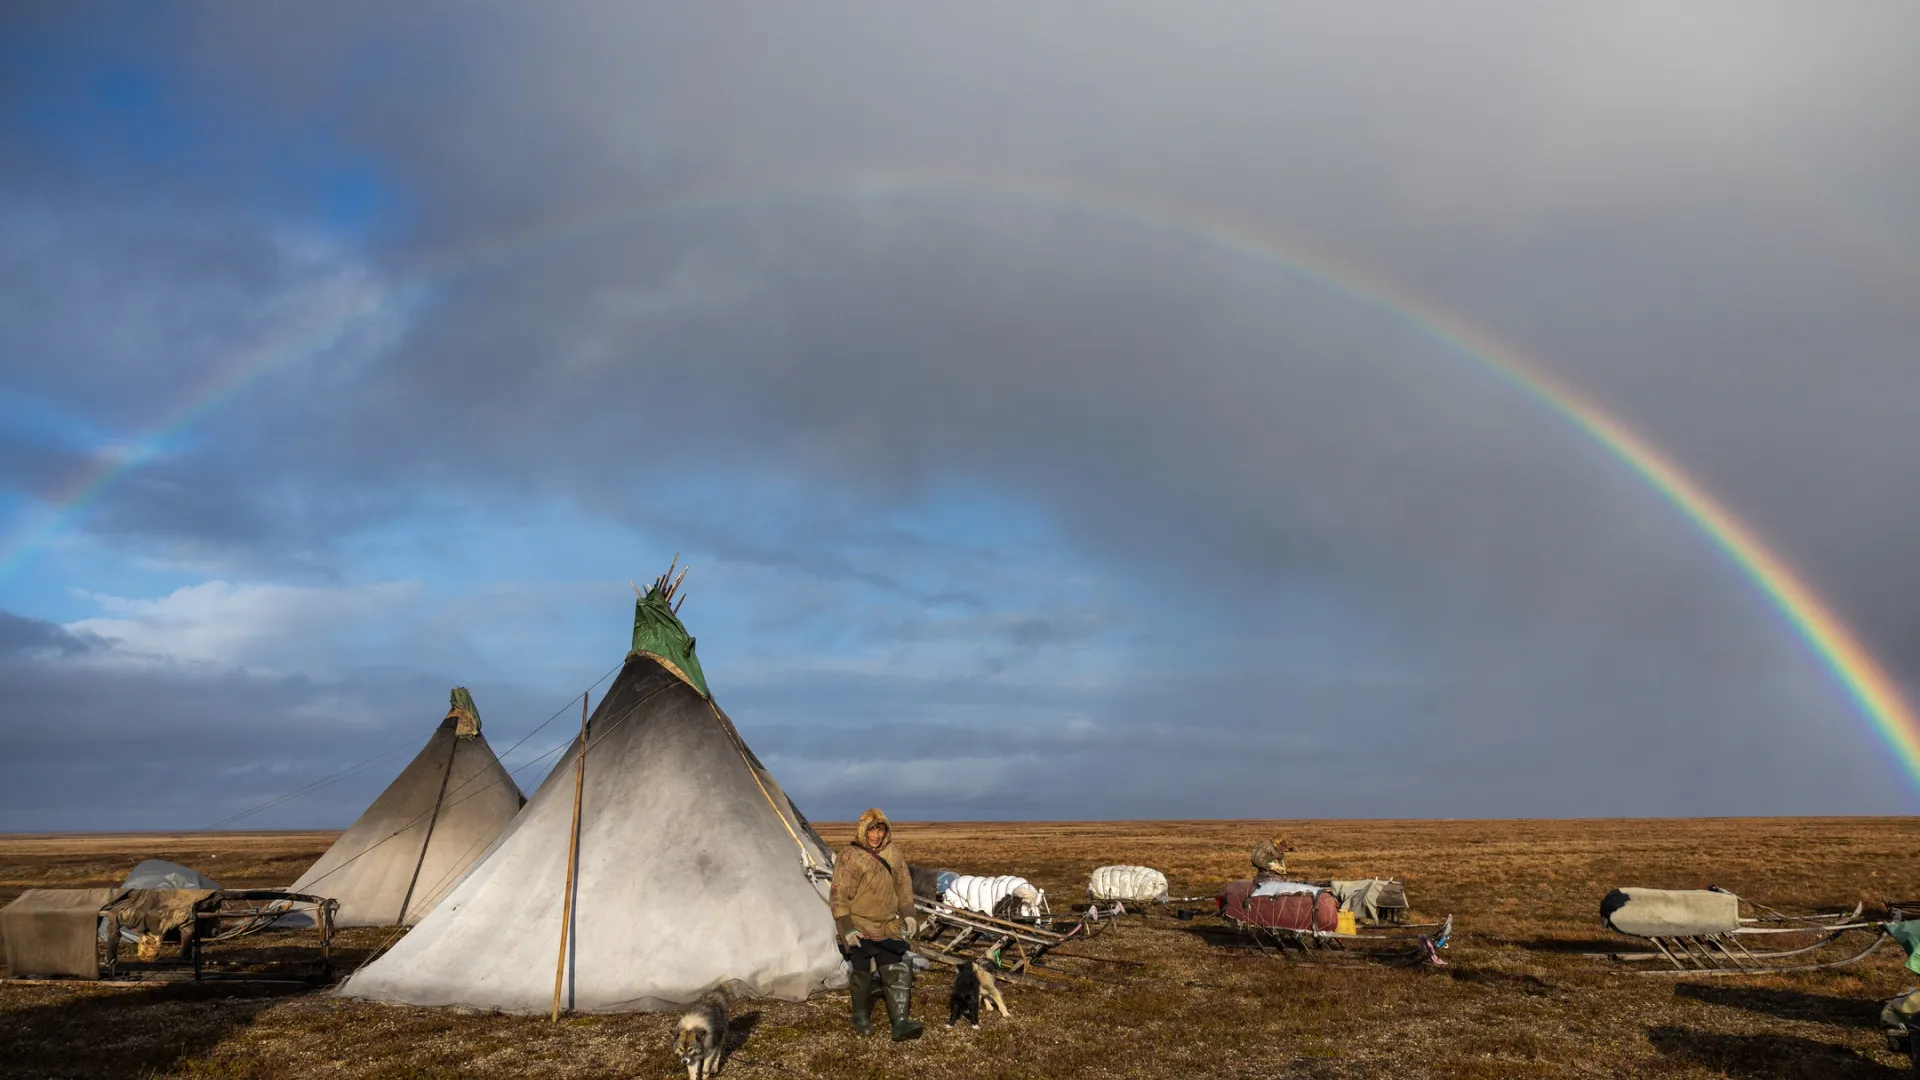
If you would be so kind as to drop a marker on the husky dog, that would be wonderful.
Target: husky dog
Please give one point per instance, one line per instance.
(703, 1035)
(971, 982)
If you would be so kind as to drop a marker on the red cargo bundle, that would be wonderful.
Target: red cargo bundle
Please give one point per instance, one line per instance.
(1318, 910)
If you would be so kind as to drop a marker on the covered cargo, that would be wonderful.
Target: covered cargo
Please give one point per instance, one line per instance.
(1670, 912)
(1372, 899)
(1309, 909)
(55, 932)
(1134, 884)
(1001, 896)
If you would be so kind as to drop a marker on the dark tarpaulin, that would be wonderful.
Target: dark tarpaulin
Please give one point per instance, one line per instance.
(53, 932)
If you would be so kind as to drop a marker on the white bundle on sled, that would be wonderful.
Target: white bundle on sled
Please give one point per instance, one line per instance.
(1276, 887)
(1670, 912)
(985, 894)
(1138, 884)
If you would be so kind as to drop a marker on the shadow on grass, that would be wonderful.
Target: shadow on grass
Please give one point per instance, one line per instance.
(1788, 1057)
(1530, 985)
(739, 1030)
(1578, 946)
(137, 1032)
(1787, 1004)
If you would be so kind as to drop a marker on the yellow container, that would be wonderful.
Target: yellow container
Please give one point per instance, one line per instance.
(1345, 924)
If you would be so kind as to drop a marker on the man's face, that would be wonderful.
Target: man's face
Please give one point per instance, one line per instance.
(875, 835)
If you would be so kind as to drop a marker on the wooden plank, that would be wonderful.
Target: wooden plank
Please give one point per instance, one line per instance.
(1017, 980)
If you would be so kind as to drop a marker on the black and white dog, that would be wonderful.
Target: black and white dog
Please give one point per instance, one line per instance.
(702, 1039)
(971, 982)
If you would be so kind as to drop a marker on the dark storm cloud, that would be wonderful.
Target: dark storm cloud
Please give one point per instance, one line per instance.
(97, 738)
(1684, 210)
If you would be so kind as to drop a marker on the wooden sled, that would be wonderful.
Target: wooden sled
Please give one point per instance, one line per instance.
(228, 915)
(1014, 948)
(1405, 943)
(1307, 926)
(1765, 942)
(77, 935)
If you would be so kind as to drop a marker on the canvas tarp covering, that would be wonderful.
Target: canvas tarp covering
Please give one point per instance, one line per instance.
(1908, 935)
(689, 876)
(463, 712)
(1316, 909)
(411, 846)
(984, 894)
(1366, 896)
(657, 633)
(1281, 887)
(160, 874)
(1137, 884)
(1670, 912)
(151, 914)
(927, 880)
(54, 932)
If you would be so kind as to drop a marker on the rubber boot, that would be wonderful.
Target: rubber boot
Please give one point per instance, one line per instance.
(897, 982)
(860, 986)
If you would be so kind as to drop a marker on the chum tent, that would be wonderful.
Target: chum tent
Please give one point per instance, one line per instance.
(694, 869)
(433, 822)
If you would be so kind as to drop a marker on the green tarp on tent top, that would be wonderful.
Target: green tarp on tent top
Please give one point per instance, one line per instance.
(657, 633)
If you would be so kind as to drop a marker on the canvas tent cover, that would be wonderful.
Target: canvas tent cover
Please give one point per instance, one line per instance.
(54, 932)
(411, 846)
(1670, 912)
(693, 871)
(1136, 884)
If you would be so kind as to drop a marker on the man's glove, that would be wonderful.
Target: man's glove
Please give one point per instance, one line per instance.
(852, 939)
(912, 924)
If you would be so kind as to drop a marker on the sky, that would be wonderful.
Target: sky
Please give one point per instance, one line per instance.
(1047, 404)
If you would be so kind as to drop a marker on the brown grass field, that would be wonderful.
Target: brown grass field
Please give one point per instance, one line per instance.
(1516, 999)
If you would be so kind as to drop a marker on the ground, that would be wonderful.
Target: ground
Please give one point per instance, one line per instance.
(1517, 999)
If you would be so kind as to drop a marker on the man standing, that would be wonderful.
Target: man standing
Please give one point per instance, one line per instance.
(874, 915)
(1270, 857)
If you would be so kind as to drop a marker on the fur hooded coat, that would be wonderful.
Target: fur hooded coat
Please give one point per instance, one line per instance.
(871, 889)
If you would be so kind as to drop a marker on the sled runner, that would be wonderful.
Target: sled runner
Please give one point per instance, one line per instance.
(1703, 931)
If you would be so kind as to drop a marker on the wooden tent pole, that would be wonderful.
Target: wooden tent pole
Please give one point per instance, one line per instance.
(573, 850)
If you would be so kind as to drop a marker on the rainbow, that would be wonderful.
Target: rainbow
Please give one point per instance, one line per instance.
(1873, 692)
(333, 321)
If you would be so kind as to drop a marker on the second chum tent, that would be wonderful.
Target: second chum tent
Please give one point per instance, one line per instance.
(694, 869)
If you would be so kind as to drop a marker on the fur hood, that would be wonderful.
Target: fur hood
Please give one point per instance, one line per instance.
(872, 893)
(874, 816)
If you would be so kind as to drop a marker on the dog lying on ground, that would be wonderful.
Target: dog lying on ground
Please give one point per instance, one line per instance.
(972, 981)
(702, 1040)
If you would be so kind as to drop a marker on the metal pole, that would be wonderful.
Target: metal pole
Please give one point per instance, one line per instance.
(573, 849)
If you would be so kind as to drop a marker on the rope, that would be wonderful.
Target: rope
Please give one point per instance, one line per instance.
(767, 795)
(395, 936)
(464, 784)
(457, 866)
(422, 816)
(334, 778)
(806, 859)
(313, 786)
